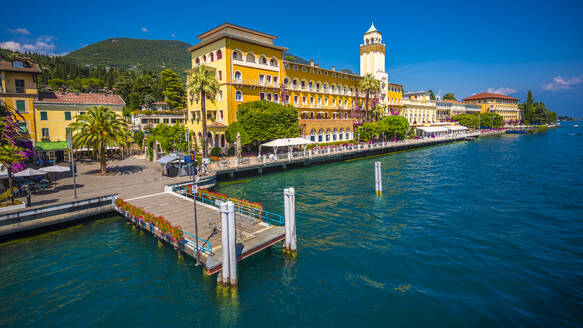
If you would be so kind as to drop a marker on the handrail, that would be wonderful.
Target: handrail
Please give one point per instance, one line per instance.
(208, 249)
(258, 213)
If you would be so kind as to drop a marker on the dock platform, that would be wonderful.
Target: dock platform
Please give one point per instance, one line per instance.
(253, 234)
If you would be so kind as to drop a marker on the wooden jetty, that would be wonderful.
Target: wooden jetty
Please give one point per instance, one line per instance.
(255, 231)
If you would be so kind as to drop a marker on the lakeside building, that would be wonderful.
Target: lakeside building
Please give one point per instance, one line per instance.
(54, 111)
(418, 107)
(250, 67)
(156, 106)
(145, 120)
(18, 90)
(503, 105)
(446, 109)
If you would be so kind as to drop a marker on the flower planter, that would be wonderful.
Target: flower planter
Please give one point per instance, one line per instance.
(12, 207)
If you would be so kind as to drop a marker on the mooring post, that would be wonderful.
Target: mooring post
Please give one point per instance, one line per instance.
(225, 272)
(232, 244)
(292, 216)
(286, 217)
(378, 178)
(235, 162)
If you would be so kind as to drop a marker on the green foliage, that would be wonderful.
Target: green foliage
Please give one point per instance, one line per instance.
(332, 143)
(139, 137)
(290, 57)
(449, 96)
(171, 138)
(431, 95)
(394, 126)
(140, 54)
(203, 85)
(346, 70)
(468, 120)
(484, 120)
(100, 128)
(231, 151)
(389, 127)
(216, 152)
(173, 89)
(536, 112)
(368, 131)
(263, 120)
(56, 84)
(231, 133)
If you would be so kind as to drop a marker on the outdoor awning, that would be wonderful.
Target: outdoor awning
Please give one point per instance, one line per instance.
(50, 145)
(170, 158)
(432, 129)
(287, 142)
(457, 128)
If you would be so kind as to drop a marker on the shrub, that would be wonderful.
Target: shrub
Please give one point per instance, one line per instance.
(231, 151)
(216, 151)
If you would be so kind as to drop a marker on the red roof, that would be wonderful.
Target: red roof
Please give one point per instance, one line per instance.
(487, 95)
(79, 98)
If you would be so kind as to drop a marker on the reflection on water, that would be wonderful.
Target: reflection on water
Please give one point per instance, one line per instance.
(483, 233)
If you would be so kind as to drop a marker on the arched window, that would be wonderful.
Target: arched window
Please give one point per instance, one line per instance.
(313, 135)
(204, 58)
(334, 134)
(237, 55)
(285, 81)
(197, 62)
(327, 135)
(262, 60)
(320, 135)
(341, 134)
(317, 86)
(237, 76)
(324, 86)
(239, 96)
(250, 58)
(219, 54)
(273, 62)
(211, 57)
(222, 141)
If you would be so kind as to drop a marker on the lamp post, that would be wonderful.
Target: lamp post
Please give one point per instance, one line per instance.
(194, 192)
(70, 144)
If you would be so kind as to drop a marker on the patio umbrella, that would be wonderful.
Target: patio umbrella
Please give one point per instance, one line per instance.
(29, 173)
(55, 169)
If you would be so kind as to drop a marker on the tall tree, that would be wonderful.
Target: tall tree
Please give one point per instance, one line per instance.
(431, 95)
(202, 84)
(529, 98)
(173, 89)
(369, 85)
(100, 128)
(10, 155)
(449, 96)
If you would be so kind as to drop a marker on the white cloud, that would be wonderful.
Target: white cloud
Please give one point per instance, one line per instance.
(43, 45)
(173, 35)
(560, 83)
(504, 91)
(144, 29)
(19, 30)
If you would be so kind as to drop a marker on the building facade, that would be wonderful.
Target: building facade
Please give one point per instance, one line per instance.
(18, 90)
(249, 67)
(54, 111)
(372, 60)
(418, 108)
(146, 121)
(446, 109)
(503, 105)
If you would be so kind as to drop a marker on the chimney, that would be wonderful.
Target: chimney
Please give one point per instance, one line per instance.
(334, 68)
(312, 62)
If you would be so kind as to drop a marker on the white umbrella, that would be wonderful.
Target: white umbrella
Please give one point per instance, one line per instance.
(29, 173)
(55, 168)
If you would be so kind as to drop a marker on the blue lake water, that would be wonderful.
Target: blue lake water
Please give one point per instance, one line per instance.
(483, 233)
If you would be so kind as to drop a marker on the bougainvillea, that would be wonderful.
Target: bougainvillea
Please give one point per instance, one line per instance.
(160, 222)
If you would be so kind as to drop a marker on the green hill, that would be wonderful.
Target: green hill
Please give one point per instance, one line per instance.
(140, 54)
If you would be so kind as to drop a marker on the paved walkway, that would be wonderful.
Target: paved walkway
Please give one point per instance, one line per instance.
(131, 177)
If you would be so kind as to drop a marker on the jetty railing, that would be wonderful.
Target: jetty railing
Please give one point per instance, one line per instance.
(254, 212)
(204, 245)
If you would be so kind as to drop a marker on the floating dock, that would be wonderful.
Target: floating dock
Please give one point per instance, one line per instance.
(256, 230)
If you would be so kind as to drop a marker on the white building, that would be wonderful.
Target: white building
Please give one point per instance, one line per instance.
(418, 108)
(372, 60)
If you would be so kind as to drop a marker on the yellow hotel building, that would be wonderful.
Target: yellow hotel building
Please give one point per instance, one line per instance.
(18, 90)
(505, 106)
(250, 67)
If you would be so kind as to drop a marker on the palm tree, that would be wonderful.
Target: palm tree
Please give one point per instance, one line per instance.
(202, 84)
(10, 155)
(98, 129)
(368, 84)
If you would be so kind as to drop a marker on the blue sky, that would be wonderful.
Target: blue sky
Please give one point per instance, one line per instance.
(461, 47)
